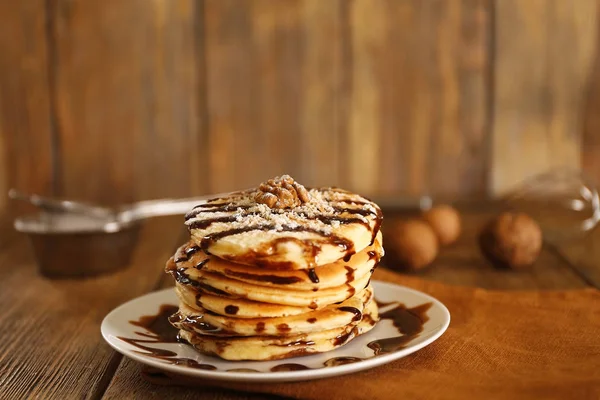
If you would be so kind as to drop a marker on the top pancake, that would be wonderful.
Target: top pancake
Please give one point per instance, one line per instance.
(332, 224)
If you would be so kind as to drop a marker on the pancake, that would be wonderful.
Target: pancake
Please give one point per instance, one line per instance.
(193, 261)
(213, 284)
(330, 317)
(273, 348)
(330, 225)
(245, 308)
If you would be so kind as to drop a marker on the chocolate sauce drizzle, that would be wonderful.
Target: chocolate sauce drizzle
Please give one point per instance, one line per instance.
(277, 280)
(344, 337)
(187, 253)
(377, 226)
(231, 309)
(182, 277)
(351, 289)
(357, 313)
(349, 274)
(312, 275)
(191, 250)
(198, 324)
(201, 264)
(289, 367)
(209, 289)
(160, 331)
(298, 343)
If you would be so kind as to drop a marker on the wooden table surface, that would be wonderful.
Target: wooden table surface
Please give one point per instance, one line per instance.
(51, 347)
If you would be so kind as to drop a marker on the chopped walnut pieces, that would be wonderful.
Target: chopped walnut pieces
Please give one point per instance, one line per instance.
(282, 192)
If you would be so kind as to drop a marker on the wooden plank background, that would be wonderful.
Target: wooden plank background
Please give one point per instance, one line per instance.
(121, 100)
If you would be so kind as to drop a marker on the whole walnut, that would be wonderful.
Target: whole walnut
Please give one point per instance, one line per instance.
(445, 221)
(412, 243)
(282, 192)
(512, 240)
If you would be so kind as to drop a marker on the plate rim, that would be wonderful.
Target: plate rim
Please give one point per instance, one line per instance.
(282, 376)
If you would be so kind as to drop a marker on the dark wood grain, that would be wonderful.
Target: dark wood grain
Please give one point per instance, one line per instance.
(543, 53)
(51, 346)
(459, 97)
(26, 128)
(271, 91)
(418, 105)
(590, 145)
(129, 384)
(128, 108)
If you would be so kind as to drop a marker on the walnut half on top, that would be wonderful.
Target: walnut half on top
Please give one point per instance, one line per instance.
(282, 192)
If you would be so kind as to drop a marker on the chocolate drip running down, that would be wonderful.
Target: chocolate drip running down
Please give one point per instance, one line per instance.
(197, 323)
(378, 221)
(181, 277)
(349, 274)
(312, 275)
(298, 343)
(191, 250)
(343, 338)
(188, 252)
(351, 290)
(353, 310)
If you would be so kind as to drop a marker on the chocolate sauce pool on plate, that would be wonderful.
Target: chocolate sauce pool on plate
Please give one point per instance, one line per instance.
(158, 330)
(408, 321)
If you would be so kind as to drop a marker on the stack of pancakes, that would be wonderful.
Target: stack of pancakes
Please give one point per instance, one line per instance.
(277, 271)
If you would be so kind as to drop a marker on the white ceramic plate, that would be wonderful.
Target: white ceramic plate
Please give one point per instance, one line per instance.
(357, 355)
